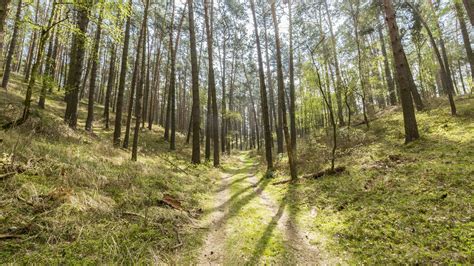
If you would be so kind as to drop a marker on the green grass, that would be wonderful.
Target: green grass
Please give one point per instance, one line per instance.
(395, 203)
(79, 200)
(250, 227)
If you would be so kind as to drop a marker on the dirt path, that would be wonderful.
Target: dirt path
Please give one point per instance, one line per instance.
(242, 202)
(213, 248)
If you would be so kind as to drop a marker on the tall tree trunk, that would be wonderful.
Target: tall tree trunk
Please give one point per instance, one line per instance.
(273, 109)
(338, 86)
(121, 87)
(147, 89)
(292, 85)
(48, 77)
(35, 70)
(469, 5)
(465, 37)
(363, 94)
(445, 75)
(31, 50)
(196, 117)
(172, 88)
(263, 95)
(3, 17)
(403, 73)
(94, 70)
(388, 73)
(76, 63)
(208, 18)
(141, 80)
(110, 86)
(136, 76)
(11, 49)
(223, 104)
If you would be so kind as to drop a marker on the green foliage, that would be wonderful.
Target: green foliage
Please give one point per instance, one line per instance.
(395, 203)
(80, 201)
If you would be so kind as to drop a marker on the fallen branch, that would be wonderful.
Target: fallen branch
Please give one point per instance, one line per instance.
(8, 236)
(24, 200)
(134, 214)
(7, 175)
(336, 170)
(174, 165)
(286, 181)
(180, 243)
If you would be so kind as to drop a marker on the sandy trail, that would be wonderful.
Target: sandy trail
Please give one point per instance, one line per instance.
(296, 242)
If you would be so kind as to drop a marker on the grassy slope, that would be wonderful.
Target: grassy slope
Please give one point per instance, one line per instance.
(78, 196)
(396, 203)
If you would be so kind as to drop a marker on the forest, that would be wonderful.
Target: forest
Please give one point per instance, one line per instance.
(236, 132)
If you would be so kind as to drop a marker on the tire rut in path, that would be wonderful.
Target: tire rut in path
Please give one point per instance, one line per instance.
(296, 242)
(213, 251)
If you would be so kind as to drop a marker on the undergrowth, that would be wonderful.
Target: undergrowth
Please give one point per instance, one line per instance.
(74, 198)
(395, 203)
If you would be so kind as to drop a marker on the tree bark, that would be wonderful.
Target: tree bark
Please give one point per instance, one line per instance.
(3, 17)
(263, 95)
(11, 49)
(469, 5)
(196, 117)
(121, 87)
(208, 18)
(94, 70)
(273, 109)
(76, 63)
(465, 37)
(388, 73)
(292, 86)
(110, 85)
(138, 107)
(445, 74)
(338, 86)
(403, 73)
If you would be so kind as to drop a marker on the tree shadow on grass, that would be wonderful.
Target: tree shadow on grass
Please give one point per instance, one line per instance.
(293, 238)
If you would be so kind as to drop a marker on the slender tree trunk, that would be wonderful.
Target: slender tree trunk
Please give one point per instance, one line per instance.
(223, 104)
(469, 5)
(76, 63)
(11, 49)
(3, 17)
(292, 85)
(196, 117)
(208, 18)
(31, 50)
(172, 89)
(273, 109)
(388, 73)
(35, 70)
(48, 77)
(465, 37)
(403, 73)
(110, 86)
(95, 64)
(445, 75)
(141, 81)
(338, 86)
(263, 95)
(121, 87)
(147, 98)
(136, 76)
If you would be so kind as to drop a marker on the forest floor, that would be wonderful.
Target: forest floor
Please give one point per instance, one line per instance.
(69, 197)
